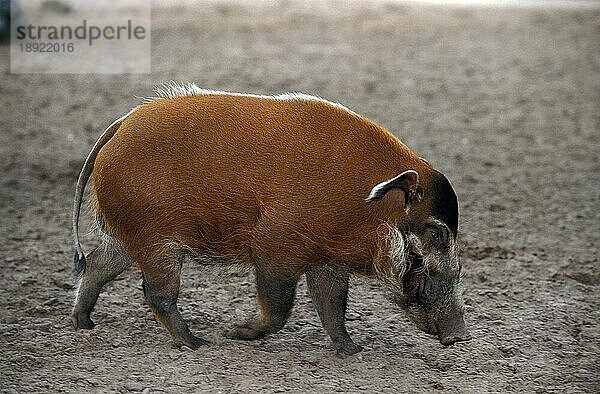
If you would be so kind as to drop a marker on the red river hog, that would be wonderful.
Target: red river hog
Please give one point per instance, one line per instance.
(290, 185)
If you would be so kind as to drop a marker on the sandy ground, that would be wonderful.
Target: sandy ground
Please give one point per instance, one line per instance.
(504, 101)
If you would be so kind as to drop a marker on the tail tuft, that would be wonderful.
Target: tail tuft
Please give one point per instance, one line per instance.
(79, 260)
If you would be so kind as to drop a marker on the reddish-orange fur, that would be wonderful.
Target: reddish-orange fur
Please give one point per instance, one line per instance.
(255, 180)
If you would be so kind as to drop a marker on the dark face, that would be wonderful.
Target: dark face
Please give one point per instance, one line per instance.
(431, 283)
(425, 272)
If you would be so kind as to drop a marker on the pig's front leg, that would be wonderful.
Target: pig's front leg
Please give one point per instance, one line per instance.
(329, 291)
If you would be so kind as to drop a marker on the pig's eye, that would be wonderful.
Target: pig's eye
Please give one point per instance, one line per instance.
(437, 234)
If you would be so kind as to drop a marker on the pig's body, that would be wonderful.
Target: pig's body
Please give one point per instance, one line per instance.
(278, 183)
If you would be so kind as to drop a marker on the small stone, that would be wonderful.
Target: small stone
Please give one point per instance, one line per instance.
(40, 326)
(28, 281)
(50, 301)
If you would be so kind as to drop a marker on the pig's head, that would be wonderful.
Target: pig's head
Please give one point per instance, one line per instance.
(419, 259)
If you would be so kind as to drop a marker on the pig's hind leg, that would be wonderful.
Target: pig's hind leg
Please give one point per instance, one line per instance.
(328, 289)
(275, 294)
(102, 265)
(161, 274)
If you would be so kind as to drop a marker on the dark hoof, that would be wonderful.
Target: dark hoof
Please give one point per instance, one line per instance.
(346, 349)
(193, 342)
(247, 332)
(82, 321)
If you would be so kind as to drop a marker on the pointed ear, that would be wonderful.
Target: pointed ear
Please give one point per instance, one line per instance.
(408, 182)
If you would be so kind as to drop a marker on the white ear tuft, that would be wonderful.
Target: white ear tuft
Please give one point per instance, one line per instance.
(406, 181)
(378, 190)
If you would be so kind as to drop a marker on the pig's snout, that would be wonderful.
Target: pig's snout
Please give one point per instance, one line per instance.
(454, 332)
(451, 339)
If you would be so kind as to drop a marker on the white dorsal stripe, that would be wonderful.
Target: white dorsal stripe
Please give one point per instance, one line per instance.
(173, 89)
